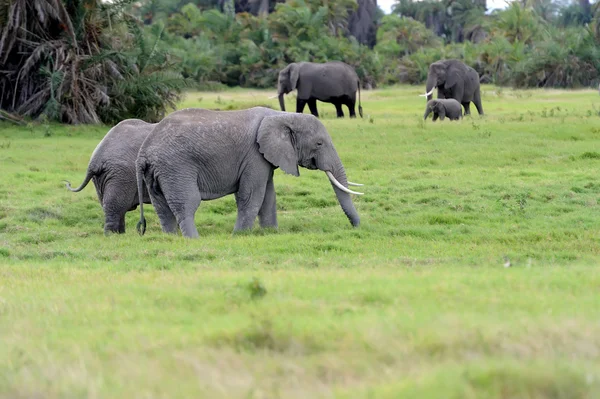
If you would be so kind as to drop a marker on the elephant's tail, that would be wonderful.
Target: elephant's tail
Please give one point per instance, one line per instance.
(140, 170)
(90, 173)
(359, 106)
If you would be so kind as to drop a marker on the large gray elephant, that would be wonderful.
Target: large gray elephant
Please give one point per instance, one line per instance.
(456, 80)
(197, 154)
(332, 82)
(112, 168)
(442, 108)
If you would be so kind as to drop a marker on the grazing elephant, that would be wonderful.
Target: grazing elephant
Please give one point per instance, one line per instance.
(442, 108)
(198, 154)
(332, 82)
(112, 167)
(456, 80)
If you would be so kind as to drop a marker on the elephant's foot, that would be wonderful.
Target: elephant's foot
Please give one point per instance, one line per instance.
(110, 231)
(268, 224)
(114, 225)
(188, 228)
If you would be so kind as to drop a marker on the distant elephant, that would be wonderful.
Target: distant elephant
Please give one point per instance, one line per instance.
(456, 80)
(442, 108)
(332, 82)
(198, 154)
(112, 167)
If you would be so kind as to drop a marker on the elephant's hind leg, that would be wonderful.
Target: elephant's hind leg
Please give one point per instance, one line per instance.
(114, 221)
(165, 215)
(350, 102)
(267, 215)
(477, 102)
(168, 222)
(183, 200)
(115, 205)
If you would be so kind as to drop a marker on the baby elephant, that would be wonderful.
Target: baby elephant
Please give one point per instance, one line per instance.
(442, 108)
(112, 167)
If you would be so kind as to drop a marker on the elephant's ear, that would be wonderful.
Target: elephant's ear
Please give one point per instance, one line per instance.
(294, 75)
(275, 142)
(452, 77)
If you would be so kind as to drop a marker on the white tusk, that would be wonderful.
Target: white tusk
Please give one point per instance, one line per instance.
(275, 96)
(426, 94)
(339, 185)
(355, 184)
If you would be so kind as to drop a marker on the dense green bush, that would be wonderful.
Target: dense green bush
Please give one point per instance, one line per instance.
(249, 51)
(90, 61)
(521, 49)
(519, 46)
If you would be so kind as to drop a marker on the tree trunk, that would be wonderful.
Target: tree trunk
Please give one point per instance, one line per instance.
(362, 24)
(586, 9)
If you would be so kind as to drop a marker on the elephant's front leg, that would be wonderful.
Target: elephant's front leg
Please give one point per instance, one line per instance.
(467, 107)
(249, 200)
(338, 110)
(267, 215)
(300, 105)
(312, 105)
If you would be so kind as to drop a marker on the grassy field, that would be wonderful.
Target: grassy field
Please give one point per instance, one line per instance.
(415, 303)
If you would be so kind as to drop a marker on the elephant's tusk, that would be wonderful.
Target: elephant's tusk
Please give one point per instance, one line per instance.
(272, 97)
(355, 184)
(339, 185)
(426, 94)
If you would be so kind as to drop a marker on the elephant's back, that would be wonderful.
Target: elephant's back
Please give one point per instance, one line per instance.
(123, 141)
(449, 102)
(189, 131)
(340, 70)
(334, 79)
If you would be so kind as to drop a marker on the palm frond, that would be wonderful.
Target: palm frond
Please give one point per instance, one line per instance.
(69, 60)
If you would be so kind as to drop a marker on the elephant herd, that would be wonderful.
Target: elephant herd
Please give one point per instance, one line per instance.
(337, 83)
(198, 154)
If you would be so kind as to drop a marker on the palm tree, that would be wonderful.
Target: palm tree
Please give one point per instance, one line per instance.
(517, 23)
(70, 60)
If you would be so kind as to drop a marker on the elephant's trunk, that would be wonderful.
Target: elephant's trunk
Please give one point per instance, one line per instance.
(281, 101)
(427, 112)
(343, 197)
(431, 82)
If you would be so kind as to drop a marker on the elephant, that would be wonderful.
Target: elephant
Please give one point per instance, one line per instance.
(112, 168)
(198, 154)
(332, 82)
(443, 107)
(456, 80)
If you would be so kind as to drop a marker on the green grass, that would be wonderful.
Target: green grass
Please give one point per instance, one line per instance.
(415, 303)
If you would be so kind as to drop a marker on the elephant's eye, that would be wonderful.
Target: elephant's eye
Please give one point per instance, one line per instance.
(319, 143)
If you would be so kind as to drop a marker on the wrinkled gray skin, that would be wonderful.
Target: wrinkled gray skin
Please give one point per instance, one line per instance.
(456, 80)
(332, 82)
(196, 154)
(112, 168)
(443, 108)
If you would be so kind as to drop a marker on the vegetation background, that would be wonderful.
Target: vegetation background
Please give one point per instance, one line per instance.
(82, 61)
